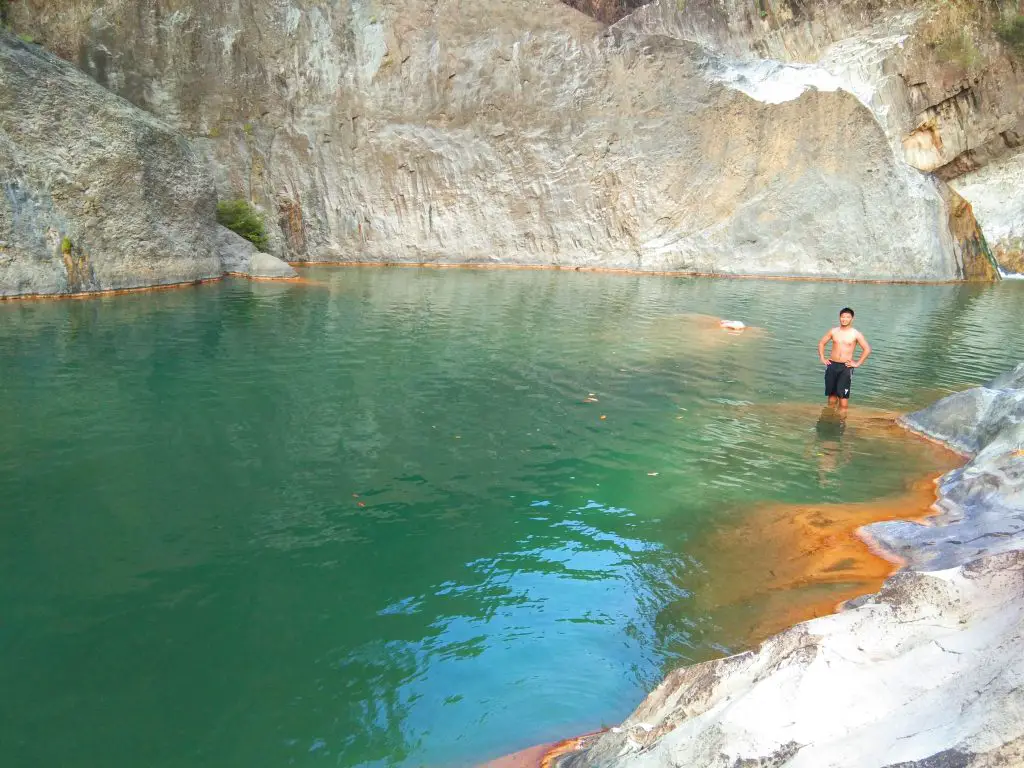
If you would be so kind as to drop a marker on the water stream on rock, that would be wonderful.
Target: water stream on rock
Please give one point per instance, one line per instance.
(401, 516)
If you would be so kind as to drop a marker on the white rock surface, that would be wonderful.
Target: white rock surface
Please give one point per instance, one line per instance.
(931, 665)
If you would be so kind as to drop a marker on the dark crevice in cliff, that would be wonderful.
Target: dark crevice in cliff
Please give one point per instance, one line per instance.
(608, 11)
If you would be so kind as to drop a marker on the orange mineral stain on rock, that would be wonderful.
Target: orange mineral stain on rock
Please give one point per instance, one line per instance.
(543, 755)
(787, 563)
(783, 564)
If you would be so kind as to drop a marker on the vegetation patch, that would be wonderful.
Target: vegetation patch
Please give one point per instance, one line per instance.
(242, 219)
(959, 49)
(951, 33)
(1011, 32)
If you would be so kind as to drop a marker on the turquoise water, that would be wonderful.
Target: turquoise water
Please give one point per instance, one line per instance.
(372, 520)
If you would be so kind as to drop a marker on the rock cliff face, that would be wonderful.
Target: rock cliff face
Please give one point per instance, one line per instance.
(926, 673)
(941, 79)
(608, 11)
(999, 206)
(96, 194)
(517, 132)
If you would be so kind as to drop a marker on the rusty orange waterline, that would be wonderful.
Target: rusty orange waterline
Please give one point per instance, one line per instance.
(297, 280)
(443, 265)
(613, 271)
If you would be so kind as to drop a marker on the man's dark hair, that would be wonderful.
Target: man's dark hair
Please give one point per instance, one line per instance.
(844, 310)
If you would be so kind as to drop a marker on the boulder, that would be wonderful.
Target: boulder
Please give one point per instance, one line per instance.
(240, 257)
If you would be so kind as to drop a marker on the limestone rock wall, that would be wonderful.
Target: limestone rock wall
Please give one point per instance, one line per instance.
(939, 77)
(94, 193)
(509, 132)
(995, 192)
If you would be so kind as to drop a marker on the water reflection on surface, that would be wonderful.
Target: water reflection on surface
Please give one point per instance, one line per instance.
(382, 521)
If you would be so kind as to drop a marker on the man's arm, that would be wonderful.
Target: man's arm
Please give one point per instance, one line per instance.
(821, 346)
(865, 350)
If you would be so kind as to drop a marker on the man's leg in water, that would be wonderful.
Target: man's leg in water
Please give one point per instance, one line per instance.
(843, 385)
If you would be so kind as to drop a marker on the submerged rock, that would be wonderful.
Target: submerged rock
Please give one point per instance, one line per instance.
(925, 673)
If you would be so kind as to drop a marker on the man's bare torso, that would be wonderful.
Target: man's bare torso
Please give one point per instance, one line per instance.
(844, 342)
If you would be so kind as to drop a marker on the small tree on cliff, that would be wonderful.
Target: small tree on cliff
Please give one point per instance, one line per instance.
(242, 219)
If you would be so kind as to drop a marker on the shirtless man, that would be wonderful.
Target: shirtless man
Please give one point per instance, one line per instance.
(839, 367)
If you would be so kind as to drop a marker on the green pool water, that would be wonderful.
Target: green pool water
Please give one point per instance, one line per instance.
(370, 520)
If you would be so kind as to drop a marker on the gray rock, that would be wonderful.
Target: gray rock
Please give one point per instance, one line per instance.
(510, 132)
(981, 511)
(968, 421)
(1010, 380)
(240, 257)
(960, 420)
(981, 505)
(95, 194)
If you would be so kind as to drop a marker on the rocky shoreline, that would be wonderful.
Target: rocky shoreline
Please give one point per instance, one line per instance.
(926, 673)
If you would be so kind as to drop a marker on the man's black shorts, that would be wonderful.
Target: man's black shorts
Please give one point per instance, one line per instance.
(838, 379)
